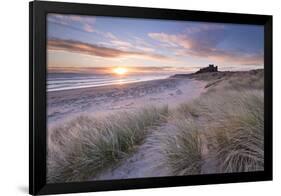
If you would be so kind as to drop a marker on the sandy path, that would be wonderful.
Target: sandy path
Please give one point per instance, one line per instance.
(145, 162)
(209, 162)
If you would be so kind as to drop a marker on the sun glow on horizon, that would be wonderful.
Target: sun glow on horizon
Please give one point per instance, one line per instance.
(120, 70)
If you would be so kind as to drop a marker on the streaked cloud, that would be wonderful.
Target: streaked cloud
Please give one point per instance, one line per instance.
(203, 42)
(136, 44)
(96, 50)
(88, 28)
(172, 40)
(200, 27)
(86, 24)
(75, 22)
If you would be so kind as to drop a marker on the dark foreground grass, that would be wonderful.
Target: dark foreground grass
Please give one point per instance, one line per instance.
(240, 135)
(80, 149)
(232, 126)
(183, 149)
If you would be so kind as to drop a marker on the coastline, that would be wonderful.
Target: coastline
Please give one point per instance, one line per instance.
(104, 100)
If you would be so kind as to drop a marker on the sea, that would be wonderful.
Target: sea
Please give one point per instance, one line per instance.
(68, 81)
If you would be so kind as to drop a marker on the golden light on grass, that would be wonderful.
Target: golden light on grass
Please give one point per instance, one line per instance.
(120, 70)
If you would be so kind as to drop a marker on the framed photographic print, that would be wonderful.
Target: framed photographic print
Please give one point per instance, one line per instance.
(129, 97)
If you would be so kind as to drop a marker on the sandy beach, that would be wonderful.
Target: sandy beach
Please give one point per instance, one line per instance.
(104, 100)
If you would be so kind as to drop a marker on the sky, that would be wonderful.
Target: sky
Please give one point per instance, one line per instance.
(97, 44)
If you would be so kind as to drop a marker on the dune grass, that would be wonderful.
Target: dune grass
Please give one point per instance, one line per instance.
(232, 123)
(239, 135)
(183, 149)
(85, 146)
(231, 116)
(253, 79)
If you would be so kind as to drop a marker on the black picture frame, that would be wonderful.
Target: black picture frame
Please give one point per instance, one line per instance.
(37, 99)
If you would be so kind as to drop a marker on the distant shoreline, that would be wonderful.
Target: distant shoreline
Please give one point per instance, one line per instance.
(78, 81)
(109, 86)
(106, 99)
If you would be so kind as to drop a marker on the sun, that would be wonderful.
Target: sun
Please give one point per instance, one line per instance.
(120, 70)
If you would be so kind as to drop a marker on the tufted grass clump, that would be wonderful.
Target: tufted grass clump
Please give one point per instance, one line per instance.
(83, 147)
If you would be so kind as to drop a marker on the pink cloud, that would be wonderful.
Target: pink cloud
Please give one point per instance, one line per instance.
(86, 22)
(88, 28)
(96, 50)
(172, 40)
(205, 46)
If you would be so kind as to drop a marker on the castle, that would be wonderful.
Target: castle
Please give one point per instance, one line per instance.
(211, 68)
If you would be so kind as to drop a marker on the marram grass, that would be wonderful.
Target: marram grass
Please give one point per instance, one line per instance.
(85, 146)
